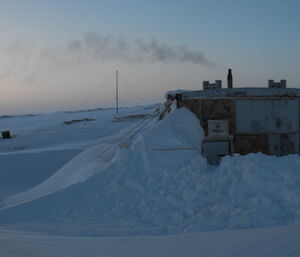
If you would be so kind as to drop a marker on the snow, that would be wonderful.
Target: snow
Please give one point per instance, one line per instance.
(160, 184)
(39, 133)
(267, 242)
(75, 171)
(20, 172)
(43, 144)
(155, 183)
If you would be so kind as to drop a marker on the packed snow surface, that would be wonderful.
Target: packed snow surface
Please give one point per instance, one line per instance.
(157, 184)
(266, 242)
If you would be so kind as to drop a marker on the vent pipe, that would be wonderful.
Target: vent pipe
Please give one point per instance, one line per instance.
(229, 79)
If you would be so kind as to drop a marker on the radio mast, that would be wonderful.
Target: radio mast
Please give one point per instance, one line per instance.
(117, 91)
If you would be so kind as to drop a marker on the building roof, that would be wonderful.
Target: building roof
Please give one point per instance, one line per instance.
(246, 92)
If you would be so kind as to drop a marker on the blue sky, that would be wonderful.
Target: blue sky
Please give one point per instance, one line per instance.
(257, 39)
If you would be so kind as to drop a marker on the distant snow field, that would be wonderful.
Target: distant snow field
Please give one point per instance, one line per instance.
(78, 176)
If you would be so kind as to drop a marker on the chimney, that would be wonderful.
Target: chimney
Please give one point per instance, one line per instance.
(229, 79)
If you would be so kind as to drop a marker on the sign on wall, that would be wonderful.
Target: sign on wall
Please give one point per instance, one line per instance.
(217, 127)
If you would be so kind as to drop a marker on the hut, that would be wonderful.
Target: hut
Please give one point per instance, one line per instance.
(245, 120)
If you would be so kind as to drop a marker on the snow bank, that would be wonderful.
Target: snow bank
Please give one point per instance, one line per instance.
(161, 184)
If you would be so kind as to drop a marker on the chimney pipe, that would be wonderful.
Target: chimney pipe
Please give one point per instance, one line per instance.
(229, 79)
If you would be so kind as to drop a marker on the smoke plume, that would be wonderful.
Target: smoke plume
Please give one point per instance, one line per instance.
(25, 60)
(94, 47)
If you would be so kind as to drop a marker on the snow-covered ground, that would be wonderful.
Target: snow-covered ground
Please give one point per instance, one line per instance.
(136, 176)
(267, 242)
(42, 144)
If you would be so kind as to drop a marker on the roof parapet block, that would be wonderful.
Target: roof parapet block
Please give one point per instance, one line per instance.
(281, 84)
(216, 85)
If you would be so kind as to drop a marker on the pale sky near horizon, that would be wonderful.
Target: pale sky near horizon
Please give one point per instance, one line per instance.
(63, 54)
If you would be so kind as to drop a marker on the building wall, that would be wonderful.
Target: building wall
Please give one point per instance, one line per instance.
(267, 115)
(218, 109)
(210, 109)
(268, 125)
(281, 144)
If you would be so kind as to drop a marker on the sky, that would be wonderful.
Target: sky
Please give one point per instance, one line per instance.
(63, 54)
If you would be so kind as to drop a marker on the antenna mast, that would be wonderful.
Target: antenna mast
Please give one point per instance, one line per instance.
(117, 91)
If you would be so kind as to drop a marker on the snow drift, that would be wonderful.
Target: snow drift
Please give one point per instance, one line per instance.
(77, 170)
(161, 184)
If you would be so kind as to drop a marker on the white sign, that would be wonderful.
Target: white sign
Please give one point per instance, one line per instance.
(217, 127)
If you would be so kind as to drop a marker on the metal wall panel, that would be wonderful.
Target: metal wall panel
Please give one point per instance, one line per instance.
(193, 105)
(251, 143)
(267, 115)
(283, 144)
(218, 109)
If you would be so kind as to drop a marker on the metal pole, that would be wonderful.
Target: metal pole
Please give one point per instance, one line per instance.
(117, 91)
